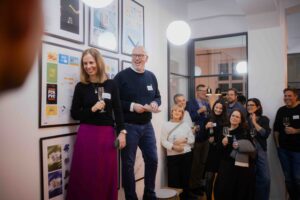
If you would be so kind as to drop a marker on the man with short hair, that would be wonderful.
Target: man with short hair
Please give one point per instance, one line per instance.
(199, 110)
(233, 104)
(287, 139)
(140, 97)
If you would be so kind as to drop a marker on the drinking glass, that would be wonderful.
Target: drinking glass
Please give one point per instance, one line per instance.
(286, 121)
(100, 97)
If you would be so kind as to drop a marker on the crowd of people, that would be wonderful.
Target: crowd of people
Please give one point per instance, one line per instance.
(229, 154)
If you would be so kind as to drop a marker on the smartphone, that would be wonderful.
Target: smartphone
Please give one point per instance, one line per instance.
(117, 143)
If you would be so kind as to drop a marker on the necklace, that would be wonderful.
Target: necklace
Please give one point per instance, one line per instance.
(95, 86)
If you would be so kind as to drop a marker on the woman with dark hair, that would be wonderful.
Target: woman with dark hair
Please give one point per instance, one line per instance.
(214, 126)
(260, 131)
(96, 103)
(235, 178)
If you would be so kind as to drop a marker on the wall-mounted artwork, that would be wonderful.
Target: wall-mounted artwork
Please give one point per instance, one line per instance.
(56, 156)
(104, 27)
(132, 26)
(59, 74)
(64, 19)
(111, 66)
(126, 64)
(139, 166)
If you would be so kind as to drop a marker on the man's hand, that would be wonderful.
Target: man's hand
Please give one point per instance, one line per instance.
(122, 140)
(138, 108)
(154, 106)
(225, 141)
(202, 109)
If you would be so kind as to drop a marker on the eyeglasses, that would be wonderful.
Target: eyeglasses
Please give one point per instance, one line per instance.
(138, 55)
(251, 105)
(201, 90)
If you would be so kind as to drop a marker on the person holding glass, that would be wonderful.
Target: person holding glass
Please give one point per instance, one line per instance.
(236, 175)
(287, 139)
(96, 104)
(259, 131)
(177, 137)
(214, 127)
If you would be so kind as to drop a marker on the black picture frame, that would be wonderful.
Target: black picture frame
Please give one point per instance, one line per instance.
(105, 22)
(65, 20)
(126, 64)
(57, 59)
(56, 154)
(112, 66)
(133, 26)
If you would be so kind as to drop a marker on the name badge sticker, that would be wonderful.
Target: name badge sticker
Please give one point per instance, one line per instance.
(295, 116)
(149, 88)
(106, 95)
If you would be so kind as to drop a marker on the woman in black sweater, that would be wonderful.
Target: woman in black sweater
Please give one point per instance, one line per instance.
(96, 104)
(214, 127)
(235, 180)
(260, 131)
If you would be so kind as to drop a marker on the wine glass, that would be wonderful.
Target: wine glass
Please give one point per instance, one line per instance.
(100, 97)
(226, 131)
(252, 132)
(286, 121)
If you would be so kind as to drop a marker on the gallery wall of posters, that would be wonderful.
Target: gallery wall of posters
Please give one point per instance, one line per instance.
(65, 19)
(132, 26)
(59, 74)
(56, 158)
(104, 27)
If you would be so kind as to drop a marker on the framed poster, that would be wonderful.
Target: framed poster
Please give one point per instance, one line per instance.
(111, 66)
(126, 64)
(56, 156)
(139, 166)
(132, 26)
(59, 74)
(64, 19)
(104, 27)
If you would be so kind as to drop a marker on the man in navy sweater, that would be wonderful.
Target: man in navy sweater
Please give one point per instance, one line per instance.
(140, 97)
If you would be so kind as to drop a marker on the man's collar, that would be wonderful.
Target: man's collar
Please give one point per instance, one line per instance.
(136, 70)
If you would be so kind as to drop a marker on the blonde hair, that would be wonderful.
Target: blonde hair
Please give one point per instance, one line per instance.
(176, 107)
(101, 73)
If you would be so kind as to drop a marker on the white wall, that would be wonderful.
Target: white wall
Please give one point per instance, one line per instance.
(19, 132)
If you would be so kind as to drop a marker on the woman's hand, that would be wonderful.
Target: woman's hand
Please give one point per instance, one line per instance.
(180, 141)
(99, 105)
(209, 125)
(178, 148)
(122, 140)
(225, 141)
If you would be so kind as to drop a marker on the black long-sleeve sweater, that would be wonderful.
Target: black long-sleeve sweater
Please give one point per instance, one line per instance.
(139, 88)
(85, 97)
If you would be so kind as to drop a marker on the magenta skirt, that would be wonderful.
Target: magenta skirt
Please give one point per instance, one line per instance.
(94, 173)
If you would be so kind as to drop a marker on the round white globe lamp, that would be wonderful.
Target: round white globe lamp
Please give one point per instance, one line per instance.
(241, 67)
(178, 32)
(97, 3)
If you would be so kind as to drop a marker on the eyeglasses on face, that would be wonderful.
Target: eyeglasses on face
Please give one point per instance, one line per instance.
(251, 105)
(138, 55)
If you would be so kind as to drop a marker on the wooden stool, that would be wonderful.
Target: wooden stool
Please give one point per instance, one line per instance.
(166, 194)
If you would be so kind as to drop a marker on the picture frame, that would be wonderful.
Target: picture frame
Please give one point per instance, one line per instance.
(133, 29)
(126, 64)
(111, 66)
(56, 155)
(104, 27)
(64, 19)
(59, 72)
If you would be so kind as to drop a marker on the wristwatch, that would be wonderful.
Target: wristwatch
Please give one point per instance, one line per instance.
(123, 131)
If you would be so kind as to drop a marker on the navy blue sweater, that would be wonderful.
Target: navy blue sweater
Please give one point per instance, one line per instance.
(139, 88)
